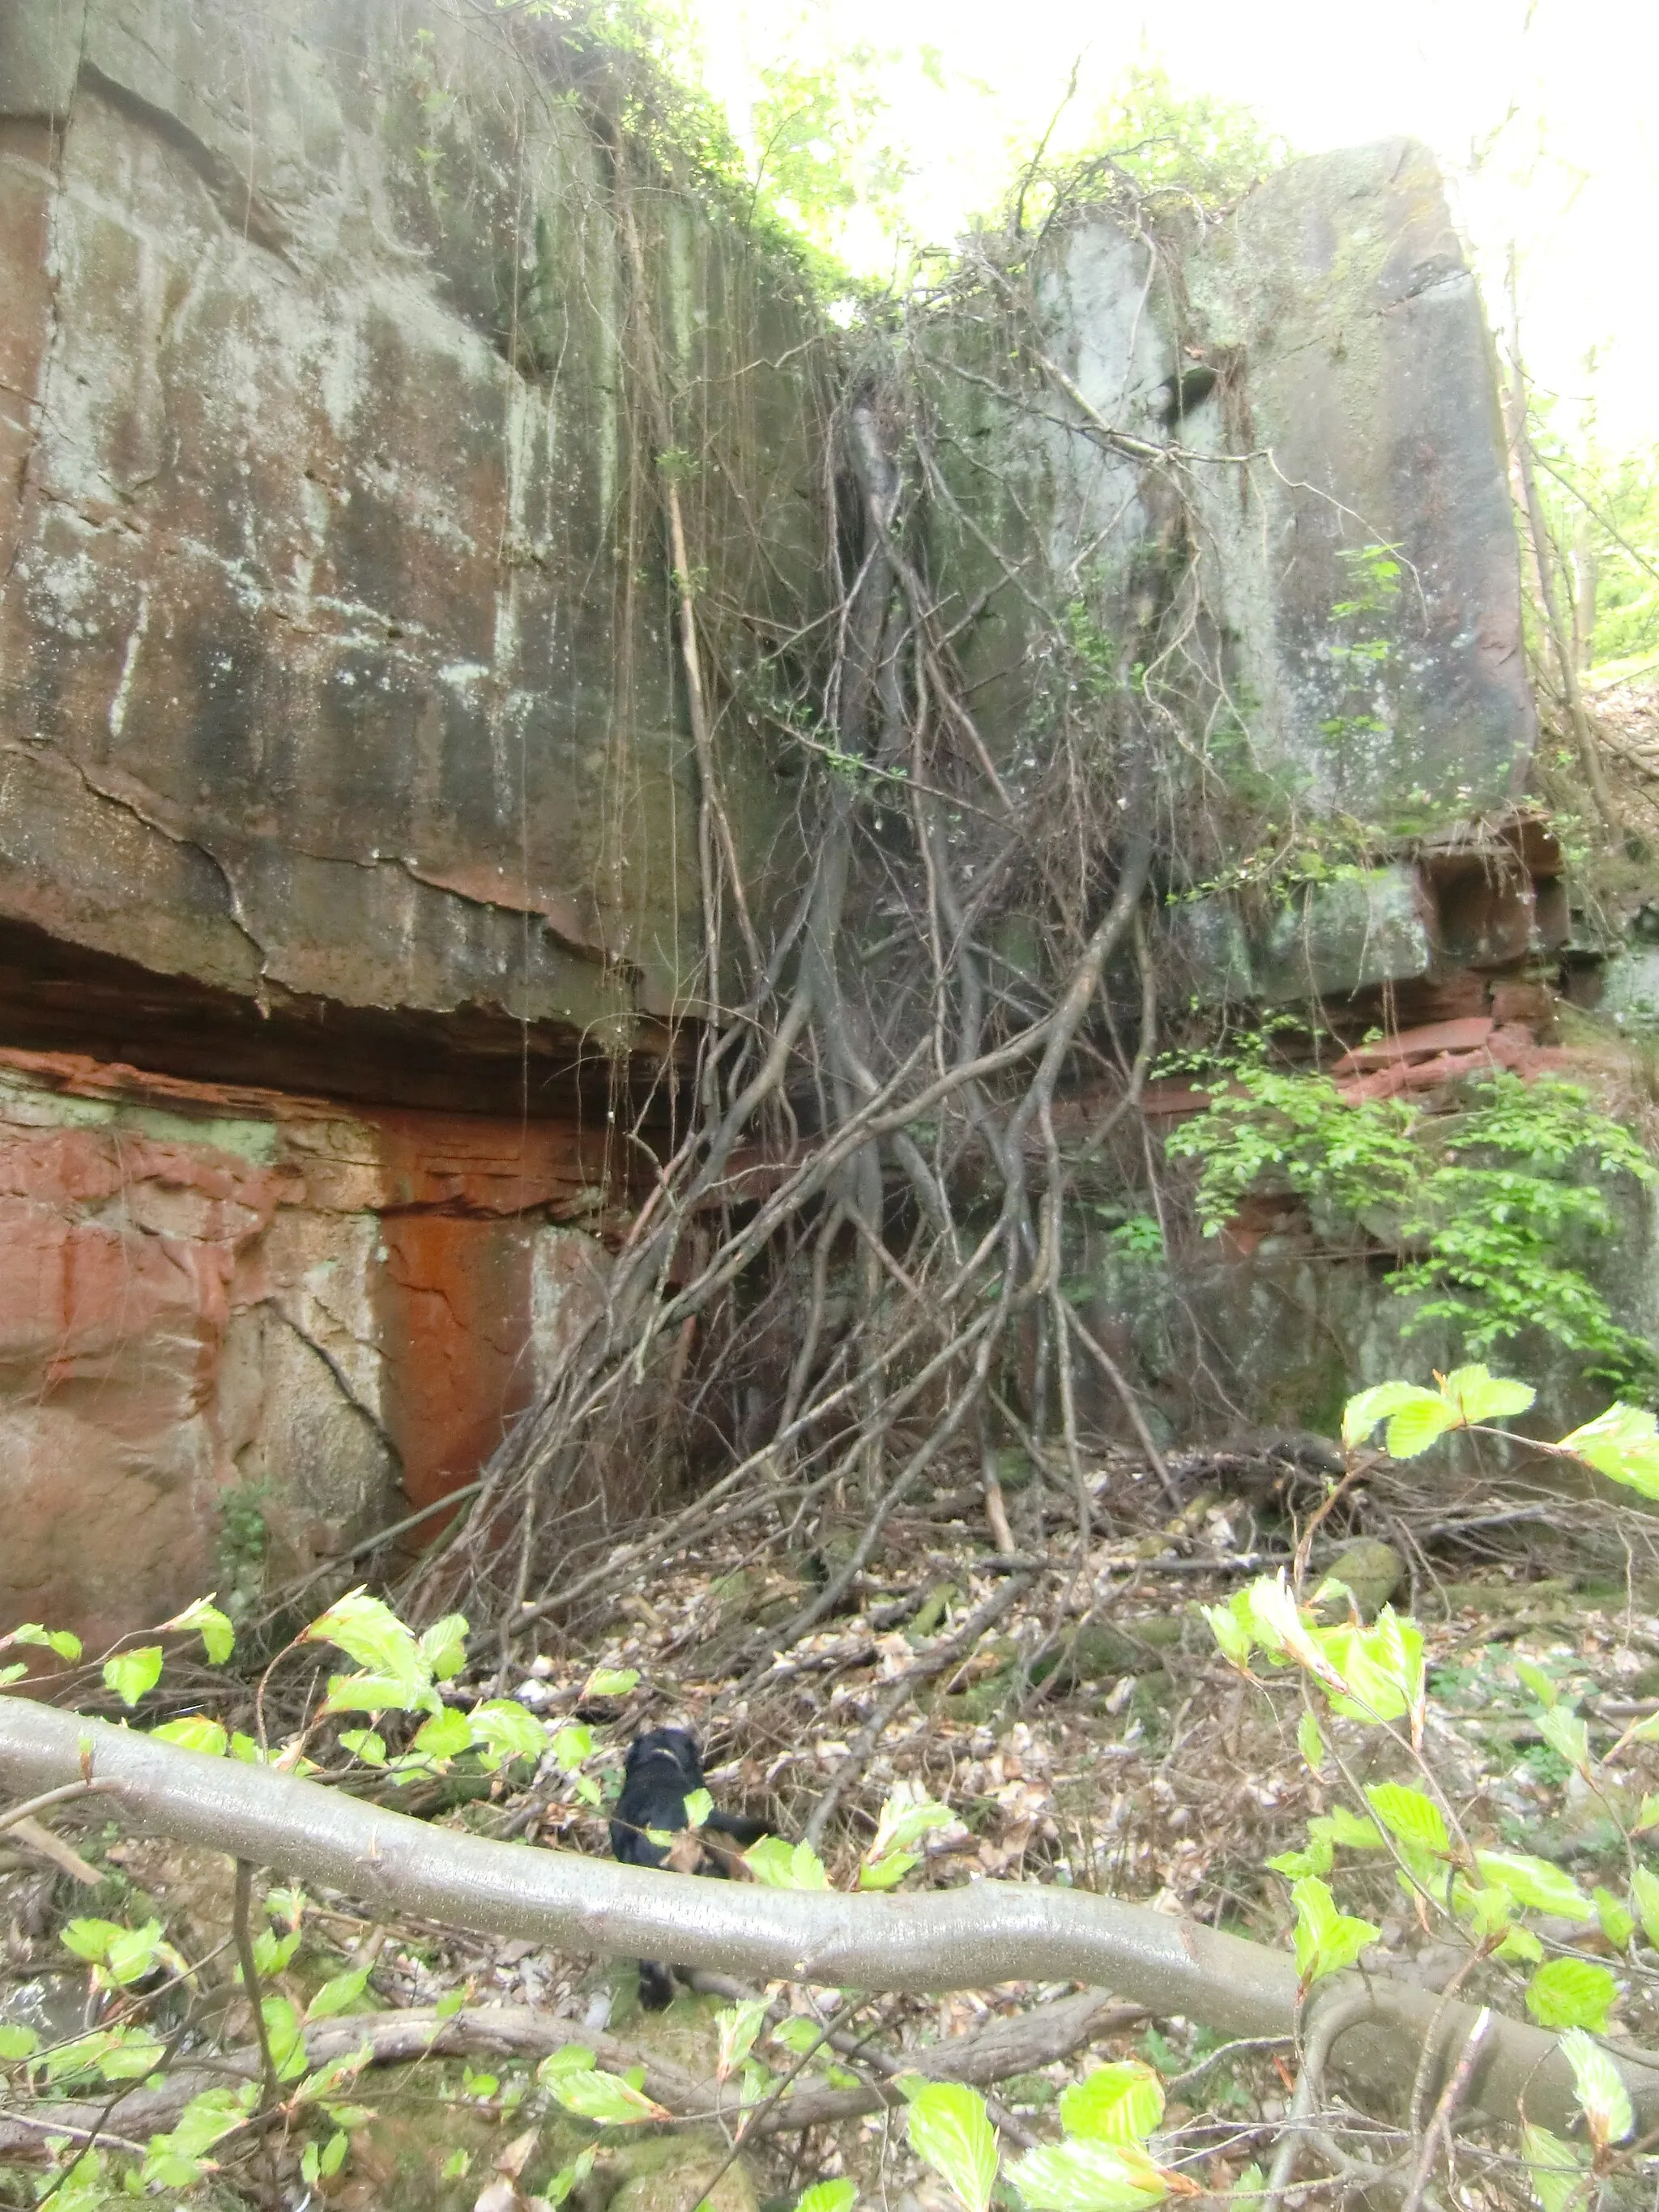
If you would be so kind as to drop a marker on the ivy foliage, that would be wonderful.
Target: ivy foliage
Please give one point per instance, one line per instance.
(1491, 1212)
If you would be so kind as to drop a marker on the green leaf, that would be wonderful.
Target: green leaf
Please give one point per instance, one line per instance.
(502, 1728)
(67, 2061)
(285, 2035)
(1417, 1425)
(570, 2058)
(1644, 1896)
(130, 1673)
(569, 2178)
(1617, 1924)
(338, 1994)
(950, 2132)
(15, 1673)
(368, 1631)
(829, 2197)
(272, 1952)
(1486, 1912)
(887, 1873)
(324, 2086)
(1536, 1883)
(443, 1646)
(1565, 1732)
(1571, 1993)
(459, 2165)
(1318, 1858)
(737, 2026)
(603, 2097)
(62, 1641)
(1557, 2170)
(1380, 1665)
(1088, 2177)
(1602, 2097)
(1364, 1411)
(17, 2042)
(610, 1682)
(1327, 1941)
(1408, 1815)
(909, 1815)
(445, 1736)
(797, 2034)
(196, 1732)
(781, 1865)
(123, 1954)
(91, 1939)
(1349, 1830)
(132, 2055)
(378, 1693)
(1116, 2104)
(1478, 1396)
(1521, 1947)
(1622, 1443)
(1309, 1742)
(574, 1742)
(1232, 1630)
(1543, 1687)
(213, 1626)
(367, 1744)
(176, 2161)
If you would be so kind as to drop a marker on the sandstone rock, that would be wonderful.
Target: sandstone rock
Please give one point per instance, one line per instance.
(219, 1297)
(333, 670)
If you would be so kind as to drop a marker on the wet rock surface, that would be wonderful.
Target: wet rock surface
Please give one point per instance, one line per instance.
(336, 666)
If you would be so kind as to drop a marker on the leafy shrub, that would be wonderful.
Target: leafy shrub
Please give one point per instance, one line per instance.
(1488, 1210)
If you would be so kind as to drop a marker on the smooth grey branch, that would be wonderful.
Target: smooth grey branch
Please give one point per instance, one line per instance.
(968, 1938)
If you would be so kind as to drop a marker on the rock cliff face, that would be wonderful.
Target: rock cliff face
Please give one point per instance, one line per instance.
(336, 659)
(240, 1327)
(1293, 407)
(343, 743)
(349, 824)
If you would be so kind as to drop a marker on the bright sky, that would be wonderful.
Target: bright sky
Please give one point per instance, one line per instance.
(1572, 177)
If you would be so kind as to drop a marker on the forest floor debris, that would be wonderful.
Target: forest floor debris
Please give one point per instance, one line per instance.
(1092, 1736)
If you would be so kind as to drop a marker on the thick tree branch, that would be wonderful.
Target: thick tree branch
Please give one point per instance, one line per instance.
(944, 1939)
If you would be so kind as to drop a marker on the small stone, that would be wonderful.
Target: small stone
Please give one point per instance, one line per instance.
(1372, 1570)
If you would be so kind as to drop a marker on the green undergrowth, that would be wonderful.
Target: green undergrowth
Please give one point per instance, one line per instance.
(1493, 1213)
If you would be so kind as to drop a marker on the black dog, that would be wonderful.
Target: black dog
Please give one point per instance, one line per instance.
(664, 1767)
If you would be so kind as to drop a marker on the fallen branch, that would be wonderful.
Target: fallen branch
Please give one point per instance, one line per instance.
(995, 2053)
(968, 1938)
(944, 1654)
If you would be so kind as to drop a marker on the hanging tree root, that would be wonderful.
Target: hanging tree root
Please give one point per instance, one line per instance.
(863, 1165)
(950, 1939)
